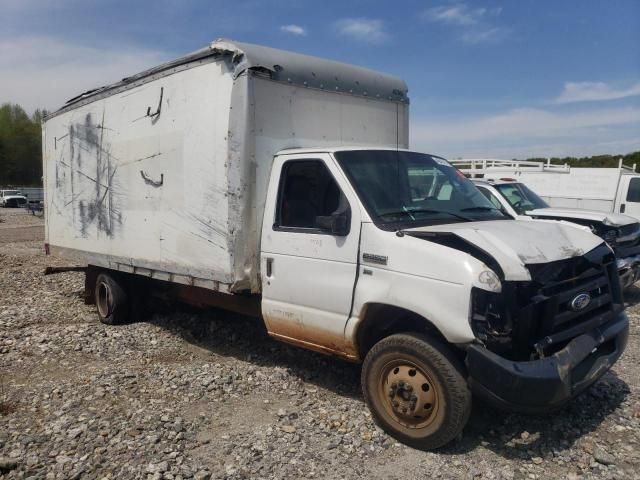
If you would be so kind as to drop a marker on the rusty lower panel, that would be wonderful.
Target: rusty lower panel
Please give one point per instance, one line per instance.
(290, 327)
(352, 357)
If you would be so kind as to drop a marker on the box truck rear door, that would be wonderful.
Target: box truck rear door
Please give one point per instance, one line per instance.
(309, 251)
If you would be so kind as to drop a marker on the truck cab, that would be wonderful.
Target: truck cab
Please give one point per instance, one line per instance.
(621, 232)
(394, 258)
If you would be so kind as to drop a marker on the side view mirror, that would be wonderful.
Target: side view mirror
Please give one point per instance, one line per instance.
(338, 224)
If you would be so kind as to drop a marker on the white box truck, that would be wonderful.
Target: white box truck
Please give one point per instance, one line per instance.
(252, 178)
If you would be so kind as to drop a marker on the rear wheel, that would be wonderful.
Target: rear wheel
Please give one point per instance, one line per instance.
(416, 390)
(111, 299)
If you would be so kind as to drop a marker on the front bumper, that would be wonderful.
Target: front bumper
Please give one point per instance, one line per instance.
(547, 383)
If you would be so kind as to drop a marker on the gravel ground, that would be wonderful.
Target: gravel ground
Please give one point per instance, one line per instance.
(206, 394)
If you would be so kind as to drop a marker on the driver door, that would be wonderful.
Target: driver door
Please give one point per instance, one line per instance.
(308, 273)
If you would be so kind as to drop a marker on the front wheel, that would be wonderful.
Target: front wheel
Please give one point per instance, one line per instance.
(416, 390)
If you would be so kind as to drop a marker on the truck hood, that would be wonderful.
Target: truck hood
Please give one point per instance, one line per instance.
(610, 219)
(514, 244)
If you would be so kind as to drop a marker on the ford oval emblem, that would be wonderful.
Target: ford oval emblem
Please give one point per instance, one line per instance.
(580, 302)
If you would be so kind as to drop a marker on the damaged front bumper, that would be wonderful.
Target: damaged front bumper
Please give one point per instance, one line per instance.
(547, 383)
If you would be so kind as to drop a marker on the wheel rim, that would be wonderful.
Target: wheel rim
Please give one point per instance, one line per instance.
(103, 300)
(408, 394)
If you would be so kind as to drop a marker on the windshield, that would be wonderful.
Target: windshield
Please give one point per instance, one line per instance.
(520, 197)
(408, 189)
(11, 192)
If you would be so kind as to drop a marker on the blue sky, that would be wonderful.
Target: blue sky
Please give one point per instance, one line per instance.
(486, 78)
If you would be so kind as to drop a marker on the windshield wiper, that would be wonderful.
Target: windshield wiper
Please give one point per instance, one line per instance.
(478, 209)
(425, 210)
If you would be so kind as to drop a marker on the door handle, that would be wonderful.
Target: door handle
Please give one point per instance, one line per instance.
(622, 207)
(269, 267)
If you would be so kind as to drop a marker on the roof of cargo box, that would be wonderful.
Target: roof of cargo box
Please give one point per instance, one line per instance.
(278, 65)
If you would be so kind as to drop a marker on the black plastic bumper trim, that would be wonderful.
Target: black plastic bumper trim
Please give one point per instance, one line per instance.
(547, 383)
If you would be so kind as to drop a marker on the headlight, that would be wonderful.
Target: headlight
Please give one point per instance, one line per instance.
(488, 280)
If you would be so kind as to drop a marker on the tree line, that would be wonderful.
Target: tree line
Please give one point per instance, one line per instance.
(20, 146)
(21, 149)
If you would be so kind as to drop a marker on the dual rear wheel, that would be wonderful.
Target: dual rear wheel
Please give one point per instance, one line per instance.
(112, 300)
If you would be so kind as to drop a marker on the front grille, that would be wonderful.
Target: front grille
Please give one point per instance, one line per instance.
(534, 319)
(596, 275)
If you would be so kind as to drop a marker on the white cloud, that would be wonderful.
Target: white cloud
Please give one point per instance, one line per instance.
(44, 72)
(523, 132)
(459, 14)
(594, 91)
(490, 35)
(474, 23)
(293, 29)
(364, 30)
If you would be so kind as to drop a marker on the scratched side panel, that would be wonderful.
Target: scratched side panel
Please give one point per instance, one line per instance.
(146, 189)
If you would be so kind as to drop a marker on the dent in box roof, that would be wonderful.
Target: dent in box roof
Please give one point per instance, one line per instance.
(277, 65)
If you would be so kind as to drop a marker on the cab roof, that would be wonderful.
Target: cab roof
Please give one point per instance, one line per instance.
(302, 150)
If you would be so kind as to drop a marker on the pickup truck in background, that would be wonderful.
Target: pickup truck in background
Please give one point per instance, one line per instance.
(12, 199)
(621, 232)
(280, 185)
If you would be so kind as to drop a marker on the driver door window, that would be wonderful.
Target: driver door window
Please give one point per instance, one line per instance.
(307, 191)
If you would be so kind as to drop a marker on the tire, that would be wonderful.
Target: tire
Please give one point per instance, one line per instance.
(111, 300)
(416, 390)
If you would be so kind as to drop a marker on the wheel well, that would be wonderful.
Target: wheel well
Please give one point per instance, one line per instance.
(382, 320)
(90, 276)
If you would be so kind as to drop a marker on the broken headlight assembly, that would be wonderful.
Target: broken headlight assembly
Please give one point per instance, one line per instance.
(490, 320)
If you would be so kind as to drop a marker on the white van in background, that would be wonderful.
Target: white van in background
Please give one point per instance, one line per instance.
(610, 190)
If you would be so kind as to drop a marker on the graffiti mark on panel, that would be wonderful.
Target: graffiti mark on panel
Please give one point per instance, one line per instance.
(90, 176)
